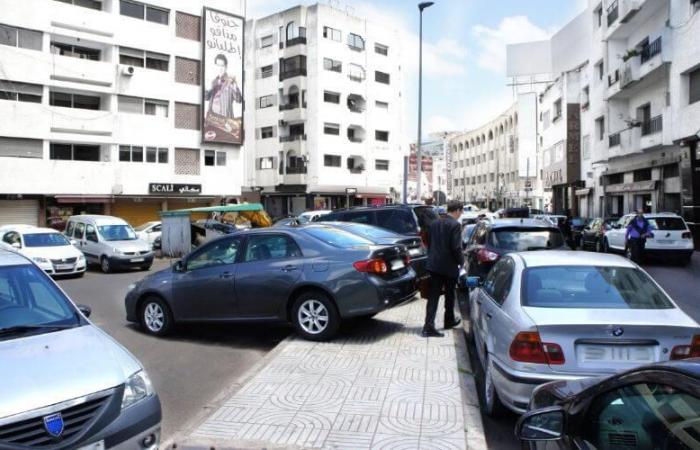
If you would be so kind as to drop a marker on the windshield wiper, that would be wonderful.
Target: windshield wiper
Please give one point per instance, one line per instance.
(19, 329)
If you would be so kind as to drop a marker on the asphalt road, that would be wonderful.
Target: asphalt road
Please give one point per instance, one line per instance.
(189, 368)
(681, 283)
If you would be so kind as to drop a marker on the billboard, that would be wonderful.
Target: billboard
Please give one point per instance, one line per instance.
(222, 77)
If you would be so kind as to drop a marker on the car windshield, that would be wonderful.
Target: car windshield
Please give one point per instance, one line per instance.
(369, 231)
(426, 216)
(337, 238)
(667, 223)
(45, 240)
(591, 287)
(304, 218)
(524, 239)
(117, 232)
(143, 226)
(31, 303)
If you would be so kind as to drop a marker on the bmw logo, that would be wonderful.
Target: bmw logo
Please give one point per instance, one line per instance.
(54, 424)
(618, 331)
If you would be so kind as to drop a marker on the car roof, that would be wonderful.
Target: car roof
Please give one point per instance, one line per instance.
(97, 218)
(542, 258)
(394, 205)
(662, 214)
(525, 223)
(11, 258)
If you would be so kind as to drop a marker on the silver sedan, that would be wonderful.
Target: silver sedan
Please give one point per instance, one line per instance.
(563, 315)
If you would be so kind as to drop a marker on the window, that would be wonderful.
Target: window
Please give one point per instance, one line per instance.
(187, 116)
(381, 105)
(586, 147)
(23, 92)
(141, 58)
(187, 71)
(356, 72)
(136, 105)
(694, 86)
(381, 77)
(331, 97)
(155, 107)
(332, 65)
(271, 246)
(382, 136)
(381, 164)
(187, 161)
(585, 96)
(599, 70)
(331, 160)
(331, 128)
(599, 15)
(151, 154)
(74, 152)
(74, 101)
(600, 128)
(213, 158)
(75, 51)
(217, 253)
(557, 110)
(266, 132)
(220, 158)
(130, 153)
(187, 26)
(292, 67)
(356, 42)
(642, 174)
(670, 170)
(90, 233)
(332, 34)
(266, 71)
(498, 281)
(381, 49)
(142, 11)
(163, 155)
(266, 41)
(20, 37)
(91, 4)
(21, 148)
(616, 178)
(266, 101)
(266, 163)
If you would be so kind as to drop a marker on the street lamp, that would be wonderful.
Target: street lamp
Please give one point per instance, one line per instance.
(419, 157)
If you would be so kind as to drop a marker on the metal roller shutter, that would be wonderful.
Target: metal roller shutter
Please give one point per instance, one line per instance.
(136, 213)
(19, 212)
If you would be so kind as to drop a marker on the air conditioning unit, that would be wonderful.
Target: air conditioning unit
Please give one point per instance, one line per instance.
(128, 70)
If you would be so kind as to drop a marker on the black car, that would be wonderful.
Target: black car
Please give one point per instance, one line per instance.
(646, 408)
(593, 234)
(492, 239)
(577, 225)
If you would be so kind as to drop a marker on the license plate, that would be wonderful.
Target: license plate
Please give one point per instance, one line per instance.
(414, 252)
(137, 259)
(99, 445)
(615, 353)
(64, 266)
(664, 241)
(397, 264)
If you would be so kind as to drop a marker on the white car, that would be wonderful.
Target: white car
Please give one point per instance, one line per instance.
(48, 248)
(671, 237)
(312, 216)
(149, 231)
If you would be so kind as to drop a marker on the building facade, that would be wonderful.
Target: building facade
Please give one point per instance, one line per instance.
(324, 111)
(101, 106)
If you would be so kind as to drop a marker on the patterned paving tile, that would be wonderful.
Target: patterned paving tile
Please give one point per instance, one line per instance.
(395, 442)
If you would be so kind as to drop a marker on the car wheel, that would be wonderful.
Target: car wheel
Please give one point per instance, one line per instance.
(104, 265)
(315, 317)
(155, 316)
(146, 268)
(490, 405)
(606, 247)
(598, 246)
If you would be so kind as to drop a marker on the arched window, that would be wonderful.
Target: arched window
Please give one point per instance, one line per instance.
(292, 31)
(490, 135)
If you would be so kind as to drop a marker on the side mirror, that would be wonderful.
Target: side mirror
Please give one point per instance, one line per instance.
(473, 282)
(179, 266)
(85, 310)
(16, 245)
(73, 242)
(545, 424)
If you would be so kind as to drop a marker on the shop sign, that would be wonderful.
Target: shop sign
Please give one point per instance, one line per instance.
(174, 189)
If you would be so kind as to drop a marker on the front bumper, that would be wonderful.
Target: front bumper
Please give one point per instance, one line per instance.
(67, 269)
(132, 426)
(130, 261)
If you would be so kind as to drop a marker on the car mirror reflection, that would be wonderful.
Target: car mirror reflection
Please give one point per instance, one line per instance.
(85, 310)
(541, 425)
(179, 266)
(473, 282)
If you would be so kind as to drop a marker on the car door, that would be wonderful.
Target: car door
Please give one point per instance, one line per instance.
(616, 236)
(204, 289)
(482, 310)
(499, 325)
(271, 265)
(476, 243)
(79, 237)
(90, 243)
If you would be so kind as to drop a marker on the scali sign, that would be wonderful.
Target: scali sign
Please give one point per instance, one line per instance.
(174, 189)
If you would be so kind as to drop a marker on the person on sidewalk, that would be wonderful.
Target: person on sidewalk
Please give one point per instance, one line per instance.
(638, 231)
(444, 260)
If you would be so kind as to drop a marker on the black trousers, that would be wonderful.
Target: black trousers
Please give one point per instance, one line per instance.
(637, 247)
(438, 283)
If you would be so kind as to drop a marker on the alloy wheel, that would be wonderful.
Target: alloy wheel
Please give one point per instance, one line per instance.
(104, 265)
(154, 317)
(313, 316)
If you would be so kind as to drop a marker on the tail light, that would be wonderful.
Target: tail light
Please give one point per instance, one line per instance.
(527, 347)
(375, 265)
(687, 351)
(687, 235)
(407, 259)
(486, 256)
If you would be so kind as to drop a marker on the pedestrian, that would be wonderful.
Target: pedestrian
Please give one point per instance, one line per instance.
(638, 231)
(444, 261)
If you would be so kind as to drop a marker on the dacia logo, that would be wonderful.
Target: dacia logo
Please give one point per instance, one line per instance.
(54, 424)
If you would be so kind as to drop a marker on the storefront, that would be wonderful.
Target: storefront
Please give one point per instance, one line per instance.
(60, 207)
(20, 211)
(161, 197)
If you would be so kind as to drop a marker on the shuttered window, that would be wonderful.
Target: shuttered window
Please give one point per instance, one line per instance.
(187, 116)
(21, 148)
(187, 26)
(187, 71)
(694, 86)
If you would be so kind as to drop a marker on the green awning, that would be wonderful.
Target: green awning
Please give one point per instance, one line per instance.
(221, 209)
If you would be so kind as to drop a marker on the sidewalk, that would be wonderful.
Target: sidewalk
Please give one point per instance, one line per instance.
(380, 385)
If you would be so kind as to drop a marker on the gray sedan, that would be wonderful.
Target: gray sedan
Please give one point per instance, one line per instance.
(563, 315)
(312, 276)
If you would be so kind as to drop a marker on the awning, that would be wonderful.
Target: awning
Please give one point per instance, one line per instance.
(243, 207)
(582, 192)
(83, 199)
(637, 186)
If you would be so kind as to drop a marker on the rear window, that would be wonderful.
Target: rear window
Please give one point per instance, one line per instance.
(667, 223)
(397, 220)
(524, 239)
(591, 287)
(337, 238)
(370, 231)
(426, 216)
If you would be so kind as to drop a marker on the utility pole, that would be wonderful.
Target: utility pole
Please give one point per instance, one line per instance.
(419, 156)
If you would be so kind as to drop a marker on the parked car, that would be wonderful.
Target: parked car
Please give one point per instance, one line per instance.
(593, 234)
(312, 216)
(313, 276)
(109, 242)
(56, 222)
(650, 407)
(577, 224)
(286, 222)
(671, 237)
(65, 383)
(493, 239)
(519, 213)
(48, 248)
(381, 236)
(564, 315)
(149, 231)
(467, 233)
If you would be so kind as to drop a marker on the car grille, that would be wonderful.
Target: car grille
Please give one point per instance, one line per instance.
(143, 252)
(64, 261)
(129, 253)
(624, 440)
(32, 433)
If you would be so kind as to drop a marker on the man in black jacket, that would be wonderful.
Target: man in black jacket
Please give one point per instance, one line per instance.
(444, 260)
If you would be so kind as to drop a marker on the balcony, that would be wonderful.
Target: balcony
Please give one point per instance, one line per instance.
(650, 50)
(293, 138)
(613, 77)
(356, 134)
(356, 103)
(83, 71)
(652, 126)
(83, 20)
(614, 139)
(632, 14)
(356, 164)
(81, 121)
(613, 12)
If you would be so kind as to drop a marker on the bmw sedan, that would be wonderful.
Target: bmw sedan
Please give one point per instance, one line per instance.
(564, 315)
(313, 276)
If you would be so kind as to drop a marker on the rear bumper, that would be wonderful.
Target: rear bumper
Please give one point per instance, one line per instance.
(668, 253)
(377, 295)
(418, 265)
(126, 262)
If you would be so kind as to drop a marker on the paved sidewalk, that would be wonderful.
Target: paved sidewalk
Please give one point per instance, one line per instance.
(380, 385)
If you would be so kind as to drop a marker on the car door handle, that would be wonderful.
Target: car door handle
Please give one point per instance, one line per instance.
(289, 268)
(226, 275)
(489, 316)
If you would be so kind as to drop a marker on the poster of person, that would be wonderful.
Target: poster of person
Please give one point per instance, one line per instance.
(222, 78)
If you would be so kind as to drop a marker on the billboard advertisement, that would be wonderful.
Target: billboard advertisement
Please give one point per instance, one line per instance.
(222, 77)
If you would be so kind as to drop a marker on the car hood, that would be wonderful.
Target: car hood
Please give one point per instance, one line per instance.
(64, 251)
(136, 245)
(46, 369)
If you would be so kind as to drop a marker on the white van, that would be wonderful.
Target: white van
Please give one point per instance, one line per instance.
(109, 242)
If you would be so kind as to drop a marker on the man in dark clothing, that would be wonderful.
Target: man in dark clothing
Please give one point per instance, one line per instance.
(638, 231)
(444, 260)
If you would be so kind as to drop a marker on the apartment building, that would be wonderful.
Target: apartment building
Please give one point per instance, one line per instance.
(496, 165)
(101, 103)
(323, 115)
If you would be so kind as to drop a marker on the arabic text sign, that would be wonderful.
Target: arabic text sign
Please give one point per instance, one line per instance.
(222, 80)
(174, 189)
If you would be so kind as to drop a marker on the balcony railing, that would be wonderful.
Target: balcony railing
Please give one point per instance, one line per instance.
(293, 138)
(291, 106)
(355, 139)
(650, 50)
(296, 170)
(293, 73)
(614, 77)
(359, 169)
(614, 140)
(613, 12)
(653, 125)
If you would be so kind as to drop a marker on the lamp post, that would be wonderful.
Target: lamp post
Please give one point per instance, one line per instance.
(419, 156)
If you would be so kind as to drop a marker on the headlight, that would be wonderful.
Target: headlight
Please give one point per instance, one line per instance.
(116, 251)
(81, 257)
(136, 388)
(40, 259)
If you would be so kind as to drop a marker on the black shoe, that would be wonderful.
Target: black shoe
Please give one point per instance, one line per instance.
(431, 332)
(452, 323)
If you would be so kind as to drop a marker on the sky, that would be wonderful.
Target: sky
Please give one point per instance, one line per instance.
(464, 41)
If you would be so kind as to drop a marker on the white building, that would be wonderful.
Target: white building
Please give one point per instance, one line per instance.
(324, 110)
(100, 106)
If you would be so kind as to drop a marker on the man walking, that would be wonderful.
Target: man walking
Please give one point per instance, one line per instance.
(638, 231)
(444, 260)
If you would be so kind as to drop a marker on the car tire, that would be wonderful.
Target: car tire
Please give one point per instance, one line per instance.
(155, 316)
(146, 268)
(598, 246)
(315, 316)
(490, 403)
(105, 265)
